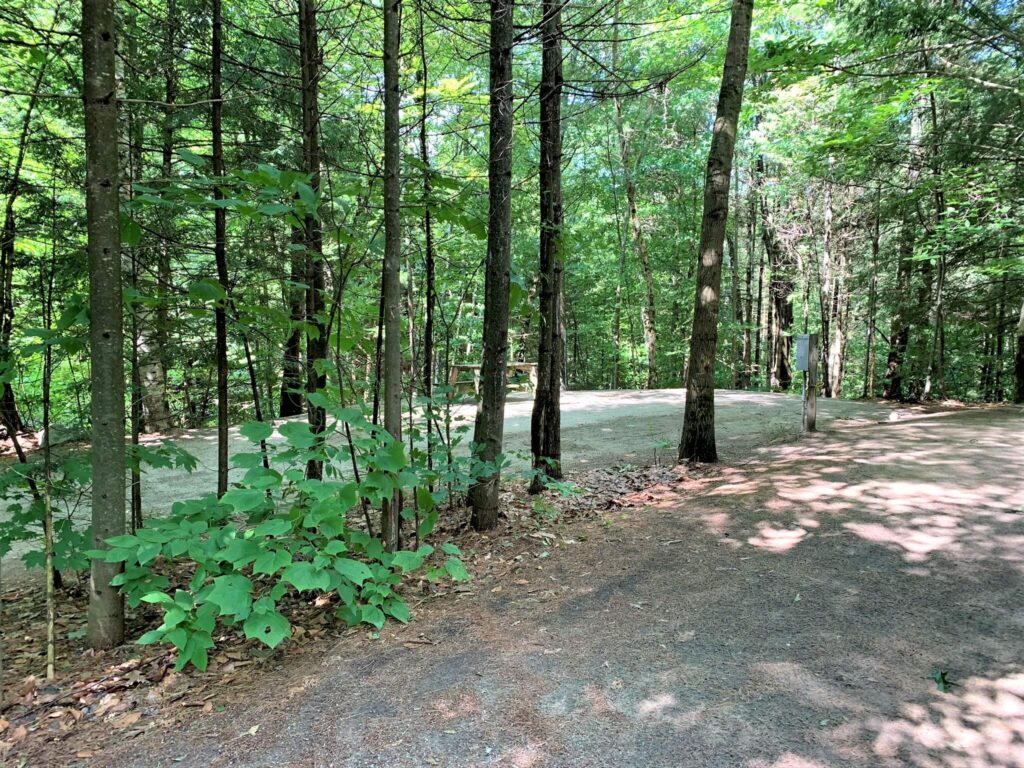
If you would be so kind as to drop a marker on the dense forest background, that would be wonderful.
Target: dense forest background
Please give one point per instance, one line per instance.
(316, 203)
(876, 196)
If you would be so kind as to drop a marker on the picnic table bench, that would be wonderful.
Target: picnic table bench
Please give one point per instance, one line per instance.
(530, 369)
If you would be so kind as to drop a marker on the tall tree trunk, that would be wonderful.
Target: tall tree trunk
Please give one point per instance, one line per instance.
(750, 323)
(291, 399)
(757, 369)
(429, 280)
(392, 251)
(489, 430)
(737, 309)
(869, 353)
(826, 292)
(648, 312)
(106, 333)
(153, 322)
(899, 328)
(697, 442)
(9, 416)
(837, 344)
(316, 342)
(780, 296)
(220, 255)
(1018, 366)
(545, 424)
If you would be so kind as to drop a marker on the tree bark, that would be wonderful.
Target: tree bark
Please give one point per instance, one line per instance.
(106, 333)
(291, 399)
(1018, 367)
(429, 279)
(697, 442)
(780, 299)
(9, 415)
(545, 424)
(152, 324)
(648, 312)
(489, 429)
(316, 342)
(220, 254)
(392, 252)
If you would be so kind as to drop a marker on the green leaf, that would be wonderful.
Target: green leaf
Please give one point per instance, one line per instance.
(397, 608)
(353, 570)
(196, 161)
(157, 597)
(304, 576)
(244, 499)
(456, 569)
(232, 594)
(131, 232)
(297, 434)
(273, 527)
(307, 195)
(450, 549)
(148, 551)
(256, 430)
(207, 289)
(406, 561)
(271, 562)
(373, 615)
(269, 627)
(240, 552)
(153, 636)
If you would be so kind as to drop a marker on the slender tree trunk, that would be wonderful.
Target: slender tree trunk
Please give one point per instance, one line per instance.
(106, 333)
(620, 280)
(135, 174)
(697, 442)
(1018, 367)
(9, 415)
(648, 310)
(780, 299)
(220, 255)
(429, 287)
(46, 297)
(391, 289)
(999, 392)
(151, 331)
(291, 399)
(837, 323)
(489, 430)
(316, 342)
(737, 308)
(826, 292)
(749, 321)
(545, 424)
(869, 353)
(760, 320)
(899, 329)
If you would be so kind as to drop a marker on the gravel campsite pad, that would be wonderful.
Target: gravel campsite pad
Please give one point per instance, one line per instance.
(853, 598)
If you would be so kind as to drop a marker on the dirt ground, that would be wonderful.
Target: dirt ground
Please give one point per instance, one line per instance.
(786, 610)
(600, 429)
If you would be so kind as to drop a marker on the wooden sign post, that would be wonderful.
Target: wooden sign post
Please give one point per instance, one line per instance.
(807, 361)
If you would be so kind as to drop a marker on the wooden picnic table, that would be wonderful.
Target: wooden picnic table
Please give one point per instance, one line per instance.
(530, 369)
